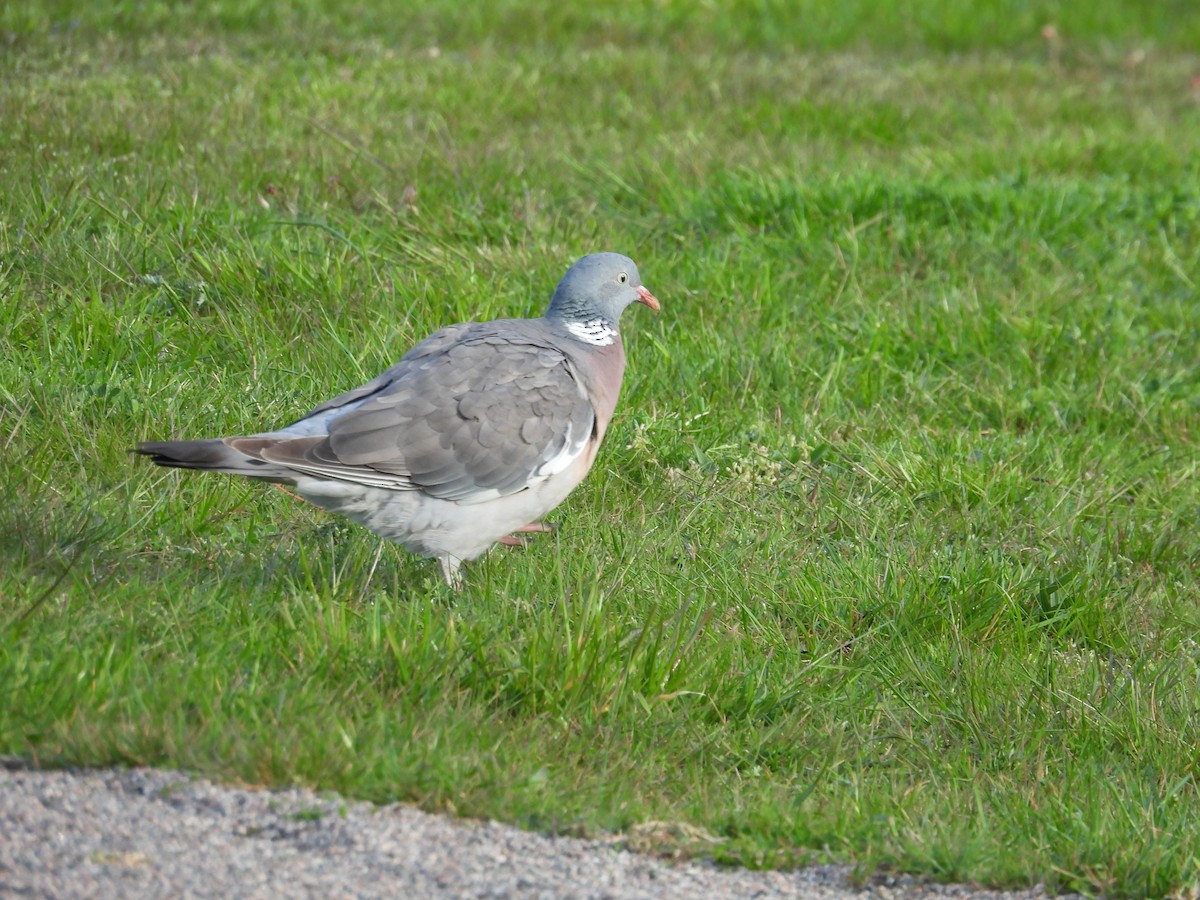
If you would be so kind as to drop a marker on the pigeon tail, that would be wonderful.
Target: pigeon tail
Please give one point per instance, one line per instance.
(212, 455)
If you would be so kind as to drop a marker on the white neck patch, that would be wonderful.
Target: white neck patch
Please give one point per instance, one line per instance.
(593, 331)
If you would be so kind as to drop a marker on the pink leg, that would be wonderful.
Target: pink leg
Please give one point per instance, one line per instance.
(511, 540)
(286, 491)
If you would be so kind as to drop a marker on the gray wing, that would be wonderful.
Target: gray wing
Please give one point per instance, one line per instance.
(436, 343)
(470, 416)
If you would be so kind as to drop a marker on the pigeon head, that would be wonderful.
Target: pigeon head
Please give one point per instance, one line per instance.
(592, 295)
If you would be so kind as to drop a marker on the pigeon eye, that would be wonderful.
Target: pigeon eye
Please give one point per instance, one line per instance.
(622, 278)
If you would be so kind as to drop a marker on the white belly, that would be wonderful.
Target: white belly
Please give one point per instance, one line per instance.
(428, 526)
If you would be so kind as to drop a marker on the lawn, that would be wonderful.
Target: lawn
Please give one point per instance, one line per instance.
(892, 554)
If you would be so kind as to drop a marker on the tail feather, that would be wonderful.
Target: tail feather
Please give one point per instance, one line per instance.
(213, 455)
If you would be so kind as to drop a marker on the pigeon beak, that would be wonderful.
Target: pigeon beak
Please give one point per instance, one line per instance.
(644, 296)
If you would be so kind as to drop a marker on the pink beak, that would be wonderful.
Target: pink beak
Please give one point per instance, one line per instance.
(644, 296)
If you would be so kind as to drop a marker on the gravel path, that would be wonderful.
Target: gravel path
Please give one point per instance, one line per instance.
(151, 833)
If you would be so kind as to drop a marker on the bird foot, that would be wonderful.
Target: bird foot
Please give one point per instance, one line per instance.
(291, 494)
(450, 571)
(512, 540)
(537, 528)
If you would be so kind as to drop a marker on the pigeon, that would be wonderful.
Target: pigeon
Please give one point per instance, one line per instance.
(474, 435)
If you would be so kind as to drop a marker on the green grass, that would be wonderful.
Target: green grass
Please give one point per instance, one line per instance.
(892, 552)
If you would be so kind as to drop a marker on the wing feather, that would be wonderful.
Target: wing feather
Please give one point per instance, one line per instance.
(480, 413)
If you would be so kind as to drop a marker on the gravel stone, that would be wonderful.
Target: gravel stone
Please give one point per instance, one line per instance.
(157, 833)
